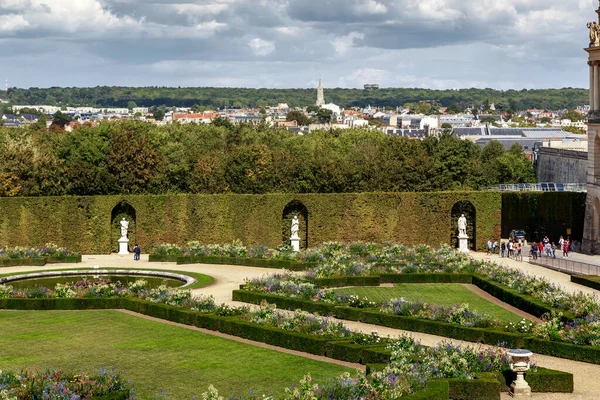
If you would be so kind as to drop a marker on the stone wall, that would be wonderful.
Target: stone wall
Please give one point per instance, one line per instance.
(561, 166)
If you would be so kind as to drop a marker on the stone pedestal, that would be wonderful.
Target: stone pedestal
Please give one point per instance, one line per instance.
(123, 246)
(521, 361)
(463, 243)
(295, 242)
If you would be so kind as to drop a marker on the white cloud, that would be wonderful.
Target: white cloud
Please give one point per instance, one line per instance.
(343, 44)
(261, 47)
(201, 9)
(12, 23)
(370, 7)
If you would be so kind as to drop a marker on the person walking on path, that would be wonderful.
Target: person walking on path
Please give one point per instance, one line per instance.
(489, 247)
(503, 249)
(541, 248)
(510, 249)
(519, 256)
(553, 250)
(566, 245)
(495, 247)
(136, 252)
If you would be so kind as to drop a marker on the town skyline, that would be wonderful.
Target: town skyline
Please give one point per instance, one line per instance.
(450, 44)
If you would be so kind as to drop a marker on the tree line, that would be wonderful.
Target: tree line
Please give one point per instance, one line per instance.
(135, 157)
(209, 97)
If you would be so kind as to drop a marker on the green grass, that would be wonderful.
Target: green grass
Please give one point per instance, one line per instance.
(156, 356)
(433, 293)
(201, 279)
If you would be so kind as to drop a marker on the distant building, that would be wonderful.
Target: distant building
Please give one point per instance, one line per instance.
(371, 86)
(201, 118)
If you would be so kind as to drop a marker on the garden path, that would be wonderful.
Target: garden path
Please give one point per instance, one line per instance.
(228, 278)
(560, 278)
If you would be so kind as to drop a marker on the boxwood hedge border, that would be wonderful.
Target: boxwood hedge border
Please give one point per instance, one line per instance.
(483, 387)
(590, 354)
(39, 261)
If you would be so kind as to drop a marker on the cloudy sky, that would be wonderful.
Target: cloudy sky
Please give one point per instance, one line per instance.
(291, 43)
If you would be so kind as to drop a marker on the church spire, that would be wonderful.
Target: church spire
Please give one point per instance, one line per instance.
(320, 95)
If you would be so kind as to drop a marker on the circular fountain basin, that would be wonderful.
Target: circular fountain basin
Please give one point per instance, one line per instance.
(51, 278)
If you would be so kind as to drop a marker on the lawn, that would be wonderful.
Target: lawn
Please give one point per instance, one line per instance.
(433, 293)
(155, 356)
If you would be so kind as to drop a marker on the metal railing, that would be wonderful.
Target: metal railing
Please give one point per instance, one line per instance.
(540, 187)
(567, 266)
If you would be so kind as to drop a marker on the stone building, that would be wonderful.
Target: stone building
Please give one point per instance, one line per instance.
(591, 230)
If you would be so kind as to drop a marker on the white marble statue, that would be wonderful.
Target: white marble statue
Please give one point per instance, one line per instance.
(462, 225)
(124, 226)
(295, 227)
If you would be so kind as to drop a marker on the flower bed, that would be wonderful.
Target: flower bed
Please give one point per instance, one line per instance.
(57, 384)
(50, 253)
(223, 321)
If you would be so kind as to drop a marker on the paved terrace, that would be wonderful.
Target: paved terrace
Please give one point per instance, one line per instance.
(229, 277)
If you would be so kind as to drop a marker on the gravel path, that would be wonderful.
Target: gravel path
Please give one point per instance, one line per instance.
(228, 278)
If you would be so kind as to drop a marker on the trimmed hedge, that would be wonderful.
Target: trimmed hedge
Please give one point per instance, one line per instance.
(18, 262)
(63, 259)
(287, 303)
(248, 262)
(83, 223)
(61, 304)
(478, 335)
(162, 258)
(521, 301)
(542, 381)
(435, 390)
(38, 262)
(375, 317)
(343, 281)
(485, 386)
(589, 281)
(426, 278)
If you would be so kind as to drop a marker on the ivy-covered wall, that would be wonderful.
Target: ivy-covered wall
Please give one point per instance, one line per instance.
(84, 223)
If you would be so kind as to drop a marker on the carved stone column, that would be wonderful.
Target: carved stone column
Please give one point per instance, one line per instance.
(591, 87)
(595, 85)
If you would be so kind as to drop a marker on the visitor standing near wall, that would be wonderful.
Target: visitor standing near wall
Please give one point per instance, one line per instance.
(561, 244)
(495, 247)
(503, 249)
(534, 250)
(566, 248)
(136, 252)
(541, 248)
(489, 247)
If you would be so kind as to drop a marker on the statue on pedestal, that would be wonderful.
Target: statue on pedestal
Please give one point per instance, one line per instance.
(295, 239)
(462, 225)
(295, 227)
(124, 226)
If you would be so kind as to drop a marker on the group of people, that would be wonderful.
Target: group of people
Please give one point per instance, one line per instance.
(544, 247)
(512, 249)
(548, 247)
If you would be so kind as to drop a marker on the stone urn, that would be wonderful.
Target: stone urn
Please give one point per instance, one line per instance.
(520, 363)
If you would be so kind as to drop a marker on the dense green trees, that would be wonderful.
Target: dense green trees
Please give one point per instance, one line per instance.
(134, 157)
(203, 98)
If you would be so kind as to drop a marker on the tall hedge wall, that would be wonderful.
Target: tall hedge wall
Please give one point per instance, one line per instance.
(544, 214)
(83, 223)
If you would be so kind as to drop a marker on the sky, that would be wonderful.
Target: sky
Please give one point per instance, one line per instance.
(437, 44)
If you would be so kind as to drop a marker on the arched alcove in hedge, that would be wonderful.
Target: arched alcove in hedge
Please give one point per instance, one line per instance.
(468, 209)
(292, 209)
(120, 211)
